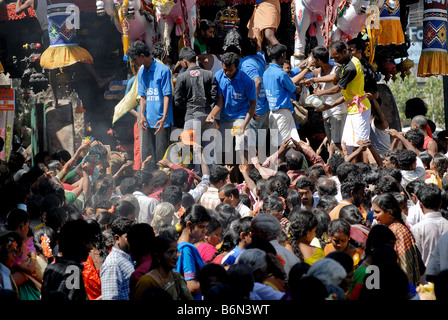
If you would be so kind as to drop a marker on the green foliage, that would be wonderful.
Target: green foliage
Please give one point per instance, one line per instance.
(430, 91)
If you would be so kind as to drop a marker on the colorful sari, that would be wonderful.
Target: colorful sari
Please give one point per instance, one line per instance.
(407, 252)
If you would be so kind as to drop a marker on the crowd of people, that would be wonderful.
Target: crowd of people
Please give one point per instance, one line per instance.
(207, 215)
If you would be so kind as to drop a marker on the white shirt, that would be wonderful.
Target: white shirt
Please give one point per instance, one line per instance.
(411, 175)
(265, 292)
(415, 214)
(427, 232)
(243, 210)
(147, 206)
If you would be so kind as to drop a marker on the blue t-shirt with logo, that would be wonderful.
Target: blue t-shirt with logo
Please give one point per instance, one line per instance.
(278, 87)
(237, 93)
(153, 84)
(255, 66)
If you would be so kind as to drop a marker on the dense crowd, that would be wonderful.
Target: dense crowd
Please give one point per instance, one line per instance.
(226, 202)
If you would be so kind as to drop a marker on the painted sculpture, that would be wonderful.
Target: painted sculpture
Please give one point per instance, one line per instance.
(353, 16)
(135, 23)
(315, 15)
(174, 13)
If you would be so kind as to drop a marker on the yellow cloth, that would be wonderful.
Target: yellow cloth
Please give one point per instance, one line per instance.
(318, 254)
(129, 101)
(435, 180)
(266, 15)
(391, 33)
(355, 88)
(433, 63)
(63, 56)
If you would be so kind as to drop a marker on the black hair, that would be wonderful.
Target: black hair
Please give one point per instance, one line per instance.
(230, 189)
(213, 225)
(179, 177)
(343, 258)
(334, 162)
(430, 196)
(284, 176)
(105, 219)
(159, 179)
(323, 220)
(230, 58)
(426, 159)
(293, 200)
(168, 231)
(218, 173)
(62, 155)
(248, 47)
(305, 288)
(241, 279)
(413, 186)
(226, 215)
(351, 214)
(277, 185)
(321, 53)
(239, 226)
(315, 172)
(349, 186)
(346, 170)
(15, 217)
(128, 186)
(171, 194)
(406, 159)
(387, 184)
(53, 165)
(44, 231)
(327, 203)
(301, 222)
(124, 208)
(391, 171)
(188, 54)
(160, 245)
(138, 48)
(416, 137)
(205, 24)
(416, 106)
(196, 214)
(73, 213)
(393, 154)
(244, 199)
(55, 218)
(142, 177)
(187, 200)
(276, 51)
(214, 270)
(304, 182)
(159, 51)
(338, 45)
(121, 226)
(72, 237)
(360, 45)
(379, 236)
(141, 240)
(338, 226)
(255, 175)
(386, 201)
(440, 163)
(272, 202)
(97, 238)
(294, 159)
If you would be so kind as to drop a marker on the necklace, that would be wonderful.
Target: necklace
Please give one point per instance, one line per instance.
(164, 283)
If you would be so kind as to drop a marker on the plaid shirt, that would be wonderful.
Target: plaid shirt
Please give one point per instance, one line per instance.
(210, 199)
(60, 277)
(115, 274)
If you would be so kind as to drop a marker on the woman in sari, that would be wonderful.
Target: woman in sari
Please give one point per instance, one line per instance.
(386, 211)
(162, 274)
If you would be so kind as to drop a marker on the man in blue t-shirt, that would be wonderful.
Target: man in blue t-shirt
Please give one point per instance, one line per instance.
(254, 65)
(278, 87)
(237, 102)
(155, 109)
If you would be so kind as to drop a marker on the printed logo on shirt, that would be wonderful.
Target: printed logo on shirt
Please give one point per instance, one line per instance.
(237, 96)
(152, 94)
(195, 73)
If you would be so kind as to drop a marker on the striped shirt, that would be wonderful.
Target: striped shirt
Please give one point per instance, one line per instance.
(115, 274)
(210, 199)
